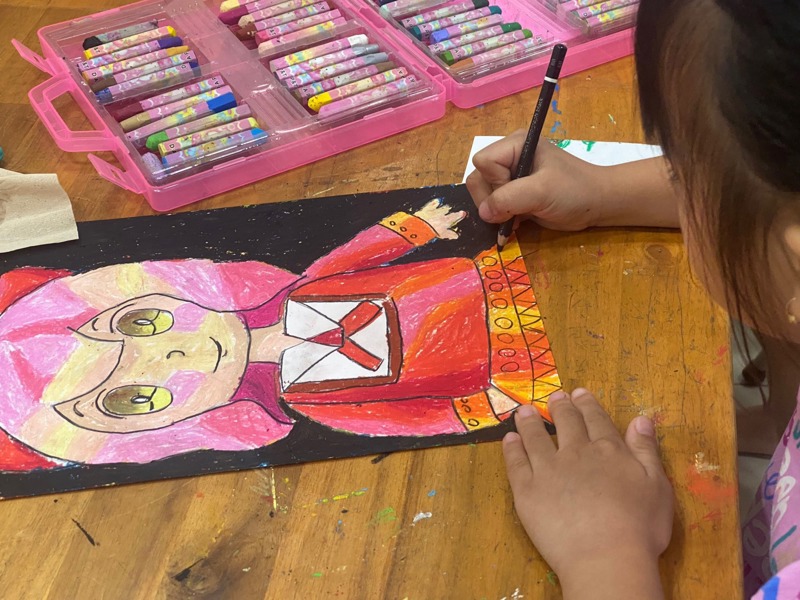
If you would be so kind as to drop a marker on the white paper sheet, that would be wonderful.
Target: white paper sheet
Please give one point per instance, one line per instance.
(603, 154)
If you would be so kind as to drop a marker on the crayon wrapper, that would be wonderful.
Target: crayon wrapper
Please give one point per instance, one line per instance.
(204, 136)
(303, 55)
(97, 73)
(487, 44)
(469, 26)
(120, 55)
(506, 51)
(326, 85)
(127, 31)
(133, 40)
(316, 63)
(278, 30)
(283, 7)
(190, 113)
(596, 9)
(355, 87)
(150, 79)
(438, 13)
(159, 65)
(214, 120)
(353, 63)
(368, 97)
(197, 152)
(426, 29)
(467, 38)
(263, 23)
(190, 90)
(611, 16)
(159, 112)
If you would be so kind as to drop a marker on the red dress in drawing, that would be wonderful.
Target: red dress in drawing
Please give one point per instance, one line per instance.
(411, 349)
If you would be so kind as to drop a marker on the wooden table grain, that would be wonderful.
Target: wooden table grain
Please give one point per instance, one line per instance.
(625, 318)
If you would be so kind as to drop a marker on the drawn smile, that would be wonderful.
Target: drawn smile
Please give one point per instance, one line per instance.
(220, 353)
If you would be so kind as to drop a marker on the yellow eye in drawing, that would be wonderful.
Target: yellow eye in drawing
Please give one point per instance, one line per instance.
(137, 400)
(144, 322)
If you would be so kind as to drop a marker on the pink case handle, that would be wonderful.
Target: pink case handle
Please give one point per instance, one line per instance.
(115, 175)
(42, 97)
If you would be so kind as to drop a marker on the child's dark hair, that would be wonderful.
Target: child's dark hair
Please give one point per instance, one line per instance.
(719, 91)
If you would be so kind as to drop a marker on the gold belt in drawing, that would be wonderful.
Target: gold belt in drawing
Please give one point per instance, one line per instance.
(521, 363)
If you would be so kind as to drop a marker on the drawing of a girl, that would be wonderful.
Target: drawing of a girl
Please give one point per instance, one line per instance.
(136, 362)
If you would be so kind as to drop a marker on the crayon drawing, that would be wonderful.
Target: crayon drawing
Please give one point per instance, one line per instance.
(113, 372)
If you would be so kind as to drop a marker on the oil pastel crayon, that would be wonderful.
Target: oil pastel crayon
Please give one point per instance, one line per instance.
(190, 113)
(426, 29)
(259, 25)
(235, 14)
(294, 15)
(351, 102)
(127, 42)
(250, 22)
(456, 54)
(446, 11)
(398, 8)
(231, 4)
(465, 27)
(192, 89)
(279, 30)
(583, 12)
(98, 73)
(302, 79)
(250, 137)
(469, 38)
(159, 65)
(611, 17)
(165, 77)
(315, 103)
(506, 51)
(296, 57)
(226, 116)
(312, 64)
(153, 165)
(159, 112)
(265, 48)
(206, 135)
(130, 53)
(110, 36)
(317, 87)
(274, 10)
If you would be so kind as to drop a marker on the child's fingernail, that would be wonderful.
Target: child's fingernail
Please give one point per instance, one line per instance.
(485, 211)
(558, 396)
(580, 392)
(644, 426)
(525, 411)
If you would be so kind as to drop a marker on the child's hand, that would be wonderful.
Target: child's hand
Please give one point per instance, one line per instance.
(439, 217)
(598, 508)
(563, 192)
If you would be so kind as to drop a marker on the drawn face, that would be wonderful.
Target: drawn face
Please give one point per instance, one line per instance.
(169, 359)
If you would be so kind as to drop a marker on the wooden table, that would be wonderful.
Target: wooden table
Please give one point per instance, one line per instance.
(625, 318)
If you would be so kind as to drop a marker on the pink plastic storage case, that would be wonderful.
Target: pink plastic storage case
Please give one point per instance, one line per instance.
(296, 136)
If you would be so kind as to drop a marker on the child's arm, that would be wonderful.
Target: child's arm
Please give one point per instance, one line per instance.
(393, 237)
(599, 509)
(569, 194)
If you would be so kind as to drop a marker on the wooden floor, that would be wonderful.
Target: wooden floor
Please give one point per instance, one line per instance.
(625, 318)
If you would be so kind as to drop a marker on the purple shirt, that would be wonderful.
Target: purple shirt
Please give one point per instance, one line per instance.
(771, 536)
